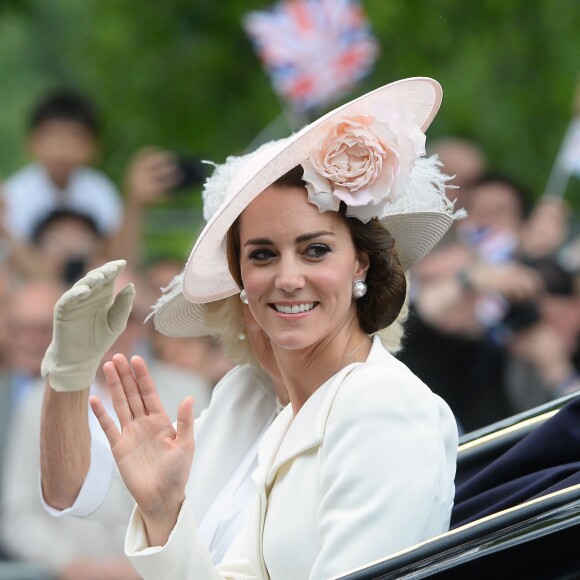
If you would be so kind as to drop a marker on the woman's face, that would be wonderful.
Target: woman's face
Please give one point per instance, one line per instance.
(298, 266)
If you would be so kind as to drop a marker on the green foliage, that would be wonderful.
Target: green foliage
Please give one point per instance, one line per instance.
(183, 75)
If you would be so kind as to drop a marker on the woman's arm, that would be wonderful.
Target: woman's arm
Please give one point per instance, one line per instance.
(88, 318)
(65, 445)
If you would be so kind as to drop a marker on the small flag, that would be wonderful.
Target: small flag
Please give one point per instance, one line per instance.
(314, 50)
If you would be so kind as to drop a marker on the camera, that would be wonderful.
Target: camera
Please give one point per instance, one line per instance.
(74, 269)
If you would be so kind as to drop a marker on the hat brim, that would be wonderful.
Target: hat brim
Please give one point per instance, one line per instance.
(428, 228)
(182, 319)
(207, 277)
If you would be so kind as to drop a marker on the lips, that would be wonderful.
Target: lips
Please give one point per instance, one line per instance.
(294, 308)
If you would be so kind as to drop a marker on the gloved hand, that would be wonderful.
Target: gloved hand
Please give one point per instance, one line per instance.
(87, 321)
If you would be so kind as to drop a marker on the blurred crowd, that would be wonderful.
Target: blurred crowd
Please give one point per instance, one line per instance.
(493, 325)
(60, 218)
(495, 309)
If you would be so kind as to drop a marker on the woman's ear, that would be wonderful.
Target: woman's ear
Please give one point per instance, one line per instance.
(361, 265)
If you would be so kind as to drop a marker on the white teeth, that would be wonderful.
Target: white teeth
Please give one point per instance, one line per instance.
(294, 309)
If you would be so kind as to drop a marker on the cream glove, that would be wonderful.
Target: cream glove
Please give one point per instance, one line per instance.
(88, 318)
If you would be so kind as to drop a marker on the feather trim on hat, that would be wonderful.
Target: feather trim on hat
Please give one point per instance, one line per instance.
(426, 191)
(216, 185)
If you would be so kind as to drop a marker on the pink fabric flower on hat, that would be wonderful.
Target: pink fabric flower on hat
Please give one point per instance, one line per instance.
(364, 160)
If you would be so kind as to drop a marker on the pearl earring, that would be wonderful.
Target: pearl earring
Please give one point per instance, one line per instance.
(359, 289)
(244, 296)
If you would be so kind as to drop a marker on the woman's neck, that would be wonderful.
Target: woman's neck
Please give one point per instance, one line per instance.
(305, 370)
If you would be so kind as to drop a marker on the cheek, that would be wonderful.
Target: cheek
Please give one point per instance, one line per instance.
(255, 280)
(334, 282)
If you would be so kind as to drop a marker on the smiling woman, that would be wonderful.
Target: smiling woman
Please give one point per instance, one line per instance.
(385, 274)
(315, 234)
(291, 256)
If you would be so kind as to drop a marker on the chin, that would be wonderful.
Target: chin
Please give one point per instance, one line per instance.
(293, 340)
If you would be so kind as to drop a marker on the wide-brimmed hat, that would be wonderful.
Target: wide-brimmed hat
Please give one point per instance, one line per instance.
(406, 192)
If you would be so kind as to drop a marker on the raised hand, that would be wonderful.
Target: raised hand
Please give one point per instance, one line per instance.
(154, 459)
(88, 318)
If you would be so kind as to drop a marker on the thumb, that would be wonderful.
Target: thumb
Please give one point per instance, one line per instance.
(185, 419)
(121, 308)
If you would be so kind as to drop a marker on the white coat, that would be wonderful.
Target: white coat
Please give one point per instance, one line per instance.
(364, 469)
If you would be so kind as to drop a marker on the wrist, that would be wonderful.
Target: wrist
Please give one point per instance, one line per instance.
(68, 380)
(159, 523)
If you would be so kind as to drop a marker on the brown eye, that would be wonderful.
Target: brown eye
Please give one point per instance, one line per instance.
(317, 251)
(261, 255)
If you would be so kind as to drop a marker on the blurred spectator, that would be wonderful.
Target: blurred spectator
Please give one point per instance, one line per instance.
(462, 296)
(63, 138)
(501, 303)
(6, 283)
(464, 160)
(159, 273)
(150, 175)
(471, 285)
(544, 361)
(546, 229)
(68, 244)
(203, 355)
(18, 258)
(28, 318)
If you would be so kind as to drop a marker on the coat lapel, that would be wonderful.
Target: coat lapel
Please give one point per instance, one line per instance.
(290, 436)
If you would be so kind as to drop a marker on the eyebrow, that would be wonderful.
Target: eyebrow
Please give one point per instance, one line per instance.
(299, 240)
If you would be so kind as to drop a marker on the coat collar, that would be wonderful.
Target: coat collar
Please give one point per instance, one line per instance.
(290, 436)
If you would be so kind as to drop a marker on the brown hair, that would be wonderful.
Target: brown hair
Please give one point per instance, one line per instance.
(387, 285)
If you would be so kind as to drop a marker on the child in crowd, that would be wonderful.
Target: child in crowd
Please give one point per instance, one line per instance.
(63, 139)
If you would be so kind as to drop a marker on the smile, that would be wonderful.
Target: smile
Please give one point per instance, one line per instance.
(295, 308)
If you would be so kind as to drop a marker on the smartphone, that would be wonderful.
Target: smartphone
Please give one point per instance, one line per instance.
(192, 172)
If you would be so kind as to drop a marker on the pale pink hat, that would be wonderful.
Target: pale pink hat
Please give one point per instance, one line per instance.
(417, 220)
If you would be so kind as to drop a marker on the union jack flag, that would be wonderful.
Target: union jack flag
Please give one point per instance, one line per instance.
(314, 50)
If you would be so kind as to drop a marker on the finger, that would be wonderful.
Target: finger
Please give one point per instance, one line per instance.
(121, 309)
(70, 299)
(149, 393)
(185, 419)
(107, 424)
(118, 397)
(113, 267)
(72, 296)
(102, 274)
(91, 279)
(130, 386)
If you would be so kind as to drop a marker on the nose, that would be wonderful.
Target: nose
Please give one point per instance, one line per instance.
(289, 276)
